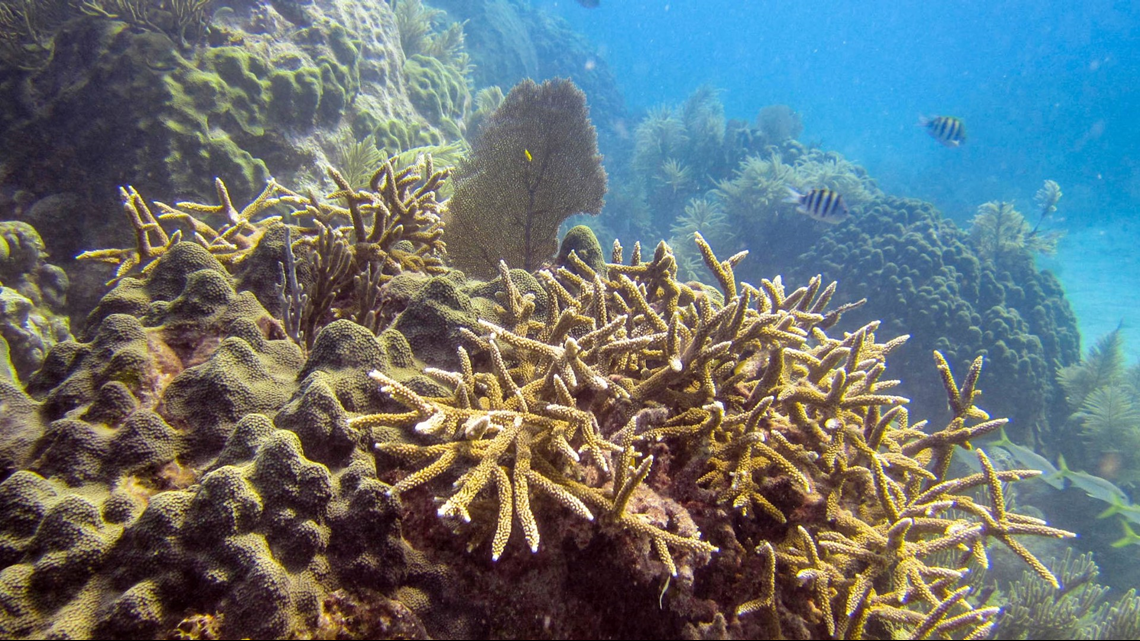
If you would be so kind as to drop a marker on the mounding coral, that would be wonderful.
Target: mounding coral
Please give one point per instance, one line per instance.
(270, 84)
(902, 255)
(32, 299)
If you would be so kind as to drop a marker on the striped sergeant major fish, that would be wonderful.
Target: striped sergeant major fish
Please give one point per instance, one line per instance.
(820, 204)
(947, 130)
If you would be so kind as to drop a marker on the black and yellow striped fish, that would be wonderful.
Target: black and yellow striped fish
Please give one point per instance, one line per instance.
(947, 130)
(820, 204)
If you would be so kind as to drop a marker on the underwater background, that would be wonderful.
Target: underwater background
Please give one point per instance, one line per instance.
(569, 318)
(1045, 88)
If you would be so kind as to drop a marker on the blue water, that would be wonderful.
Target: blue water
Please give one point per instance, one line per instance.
(1047, 91)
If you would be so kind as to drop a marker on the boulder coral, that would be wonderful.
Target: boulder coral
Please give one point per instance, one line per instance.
(903, 256)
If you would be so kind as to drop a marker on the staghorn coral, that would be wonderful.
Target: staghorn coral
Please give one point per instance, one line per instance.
(274, 82)
(393, 226)
(188, 444)
(229, 243)
(535, 164)
(703, 216)
(752, 407)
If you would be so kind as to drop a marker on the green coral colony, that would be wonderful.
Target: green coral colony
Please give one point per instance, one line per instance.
(299, 417)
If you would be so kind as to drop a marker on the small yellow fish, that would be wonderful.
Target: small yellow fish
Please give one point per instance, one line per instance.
(528, 156)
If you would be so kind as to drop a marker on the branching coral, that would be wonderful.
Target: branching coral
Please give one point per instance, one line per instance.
(229, 243)
(703, 216)
(393, 226)
(793, 430)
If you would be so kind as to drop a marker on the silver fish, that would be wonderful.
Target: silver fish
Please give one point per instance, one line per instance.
(1125, 509)
(1096, 487)
(820, 204)
(1029, 459)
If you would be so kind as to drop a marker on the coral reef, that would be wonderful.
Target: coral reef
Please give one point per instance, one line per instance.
(576, 418)
(165, 494)
(336, 270)
(273, 84)
(691, 154)
(534, 164)
(676, 457)
(903, 256)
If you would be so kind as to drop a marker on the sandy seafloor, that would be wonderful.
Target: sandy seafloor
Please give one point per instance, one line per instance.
(1100, 270)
